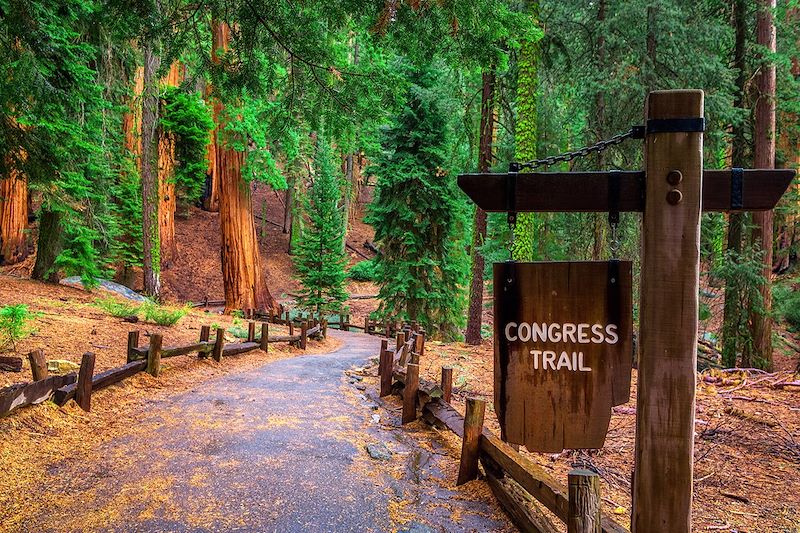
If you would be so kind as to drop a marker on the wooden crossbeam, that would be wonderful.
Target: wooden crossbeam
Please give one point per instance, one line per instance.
(589, 191)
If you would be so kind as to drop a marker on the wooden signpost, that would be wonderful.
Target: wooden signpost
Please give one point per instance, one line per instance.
(671, 192)
(563, 351)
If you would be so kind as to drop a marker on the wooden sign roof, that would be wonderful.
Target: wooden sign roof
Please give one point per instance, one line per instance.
(589, 191)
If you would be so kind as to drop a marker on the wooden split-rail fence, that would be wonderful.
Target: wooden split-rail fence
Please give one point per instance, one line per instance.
(515, 480)
(79, 386)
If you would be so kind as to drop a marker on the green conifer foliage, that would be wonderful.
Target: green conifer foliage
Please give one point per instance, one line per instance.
(419, 217)
(320, 259)
(188, 117)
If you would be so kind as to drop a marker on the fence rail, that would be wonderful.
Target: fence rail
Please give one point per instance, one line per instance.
(514, 479)
(79, 386)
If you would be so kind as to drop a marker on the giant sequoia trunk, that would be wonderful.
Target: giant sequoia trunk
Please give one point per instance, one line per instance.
(764, 157)
(151, 264)
(242, 271)
(473, 333)
(166, 182)
(13, 218)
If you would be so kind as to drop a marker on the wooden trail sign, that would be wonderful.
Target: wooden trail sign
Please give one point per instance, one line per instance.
(563, 351)
(671, 193)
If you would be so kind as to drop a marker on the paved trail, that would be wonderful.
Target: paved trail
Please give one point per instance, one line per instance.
(280, 448)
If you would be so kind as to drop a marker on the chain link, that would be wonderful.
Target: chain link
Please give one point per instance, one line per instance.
(636, 132)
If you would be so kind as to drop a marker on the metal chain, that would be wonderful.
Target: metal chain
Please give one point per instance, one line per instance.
(636, 132)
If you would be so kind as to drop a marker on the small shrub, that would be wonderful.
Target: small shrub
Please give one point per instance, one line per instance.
(363, 271)
(15, 325)
(162, 315)
(117, 309)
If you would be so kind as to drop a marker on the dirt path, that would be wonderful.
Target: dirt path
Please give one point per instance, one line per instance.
(281, 448)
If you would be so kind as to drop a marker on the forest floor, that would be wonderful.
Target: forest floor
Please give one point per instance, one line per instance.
(272, 443)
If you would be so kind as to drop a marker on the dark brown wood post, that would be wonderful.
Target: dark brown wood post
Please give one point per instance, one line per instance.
(133, 342)
(303, 334)
(205, 334)
(366, 324)
(265, 336)
(471, 444)
(324, 326)
(346, 322)
(447, 383)
(251, 332)
(83, 389)
(410, 393)
(385, 368)
(154, 355)
(584, 502)
(420, 346)
(38, 365)
(662, 486)
(291, 327)
(219, 344)
(398, 345)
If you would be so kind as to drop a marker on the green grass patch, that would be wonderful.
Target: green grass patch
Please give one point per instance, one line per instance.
(151, 312)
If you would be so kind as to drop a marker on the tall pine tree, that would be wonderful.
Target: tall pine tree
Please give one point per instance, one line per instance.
(320, 259)
(419, 216)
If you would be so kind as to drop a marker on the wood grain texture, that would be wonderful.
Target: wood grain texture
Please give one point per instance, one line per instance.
(410, 389)
(588, 191)
(22, 394)
(83, 388)
(219, 344)
(545, 409)
(447, 383)
(38, 365)
(584, 501)
(154, 355)
(471, 440)
(662, 486)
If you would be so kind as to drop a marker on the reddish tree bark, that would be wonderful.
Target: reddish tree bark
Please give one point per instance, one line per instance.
(13, 218)
(166, 183)
(211, 200)
(764, 157)
(242, 271)
(474, 320)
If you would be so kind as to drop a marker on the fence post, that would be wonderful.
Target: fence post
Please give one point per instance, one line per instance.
(154, 355)
(133, 342)
(447, 383)
(420, 343)
(205, 334)
(83, 390)
(303, 334)
(584, 502)
(410, 393)
(662, 486)
(251, 332)
(471, 444)
(385, 368)
(219, 344)
(399, 346)
(324, 326)
(265, 336)
(38, 365)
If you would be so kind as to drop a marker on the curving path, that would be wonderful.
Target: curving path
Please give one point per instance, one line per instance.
(280, 448)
